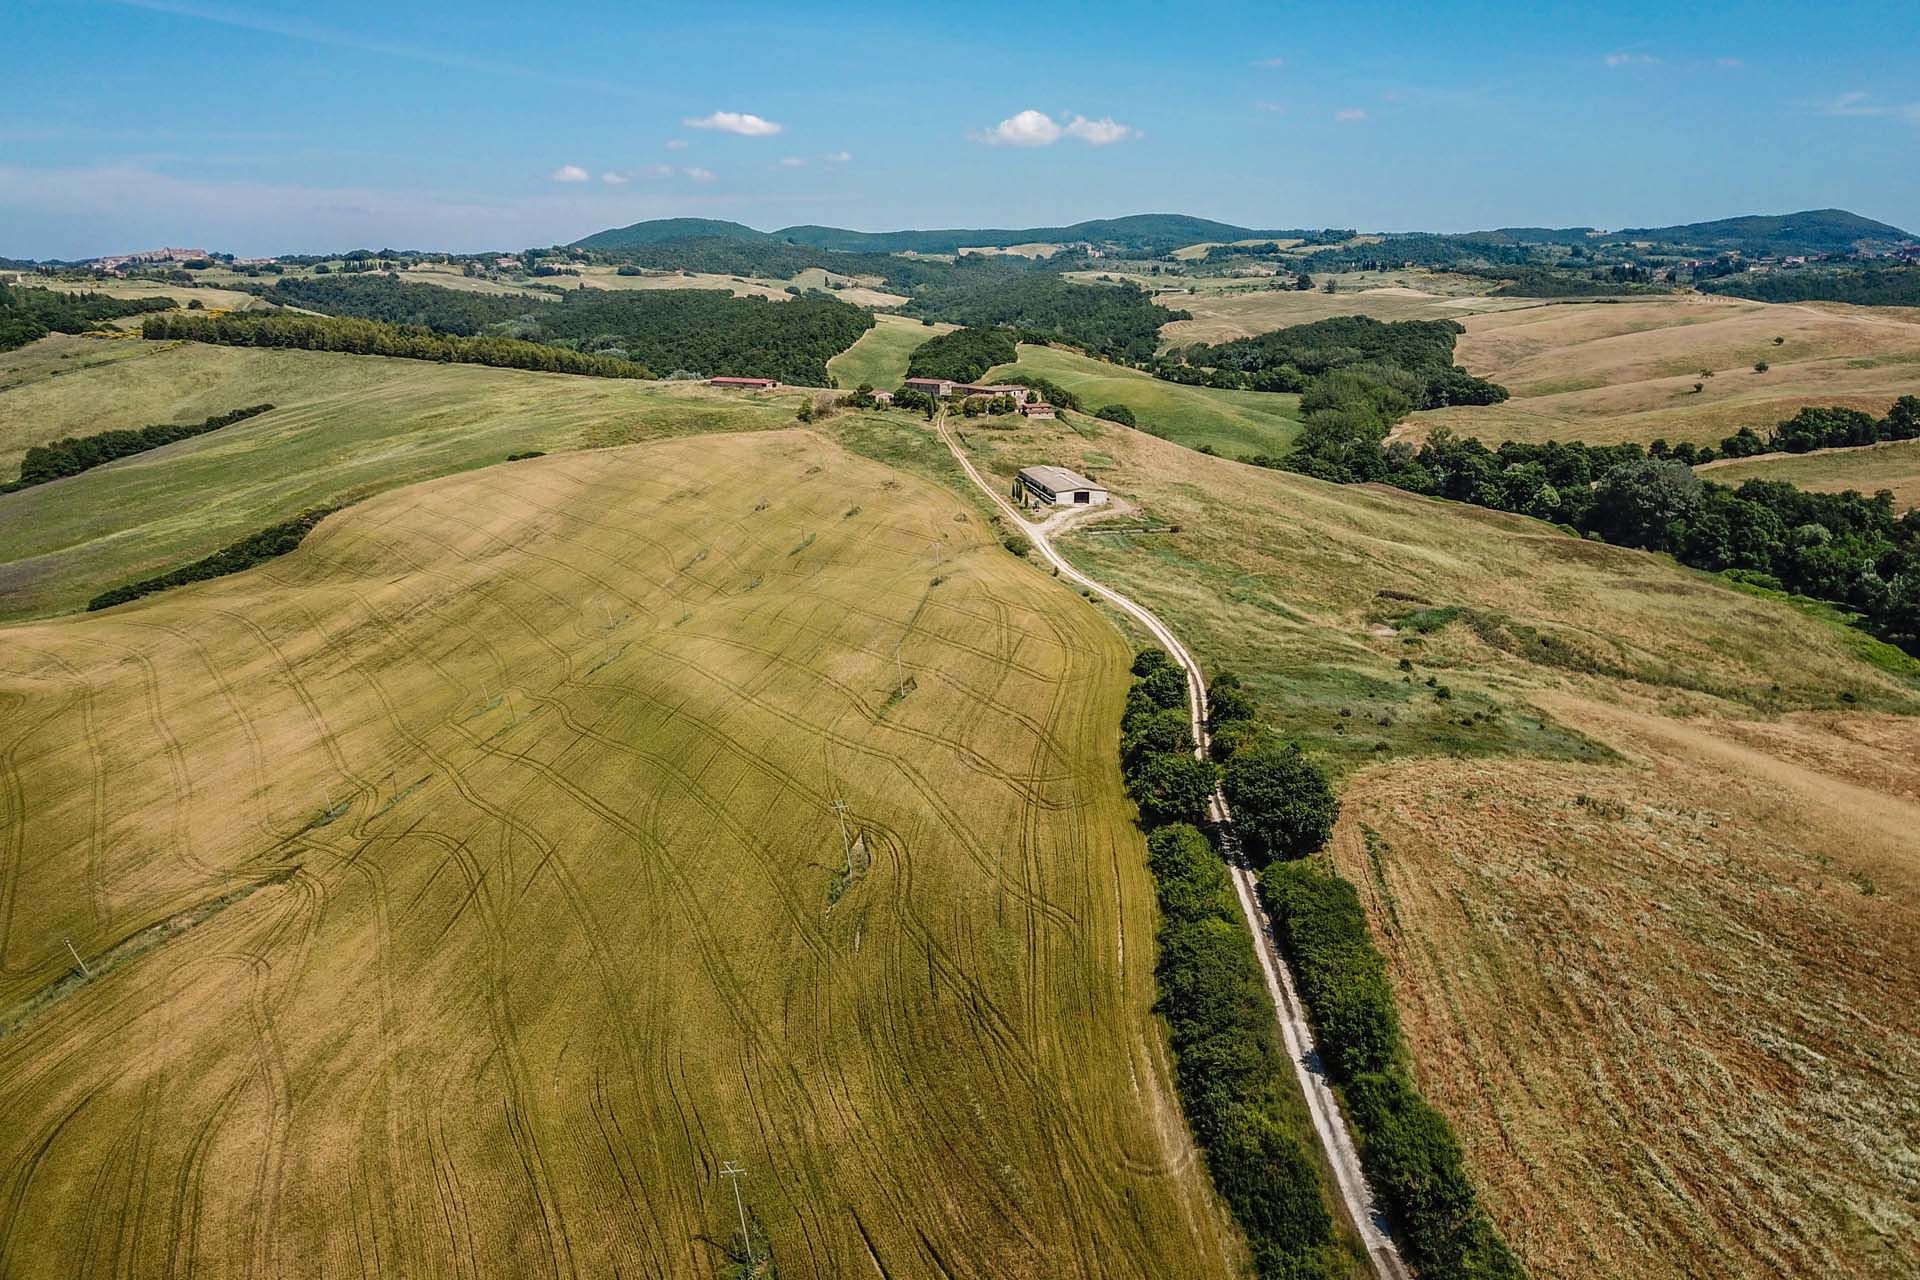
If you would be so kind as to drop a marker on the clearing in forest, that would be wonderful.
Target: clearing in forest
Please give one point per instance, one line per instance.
(879, 356)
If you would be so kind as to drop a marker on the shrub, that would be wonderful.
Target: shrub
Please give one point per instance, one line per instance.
(1282, 804)
(1167, 686)
(1117, 413)
(1171, 787)
(1148, 661)
(1227, 703)
(1163, 732)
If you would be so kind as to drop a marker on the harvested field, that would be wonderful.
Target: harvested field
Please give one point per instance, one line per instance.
(1625, 369)
(464, 888)
(1673, 1007)
(1894, 466)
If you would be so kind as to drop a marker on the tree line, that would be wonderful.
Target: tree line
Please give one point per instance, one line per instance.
(963, 355)
(372, 338)
(1874, 286)
(255, 548)
(1849, 550)
(27, 315)
(1813, 428)
(390, 300)
(70, 455)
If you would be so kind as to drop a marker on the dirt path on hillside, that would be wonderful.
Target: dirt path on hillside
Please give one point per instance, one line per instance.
(1329, 1124)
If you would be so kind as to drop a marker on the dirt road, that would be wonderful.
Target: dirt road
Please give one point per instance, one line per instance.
(1328, 1122)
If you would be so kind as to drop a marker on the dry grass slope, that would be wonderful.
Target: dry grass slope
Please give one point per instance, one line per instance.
(1894, 466)
(500, 900)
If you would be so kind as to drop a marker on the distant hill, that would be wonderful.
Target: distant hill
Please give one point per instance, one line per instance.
(668, 229)
(1139, 233)
(1810, 231)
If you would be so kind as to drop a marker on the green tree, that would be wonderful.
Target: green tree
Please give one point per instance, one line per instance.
(1283, 806)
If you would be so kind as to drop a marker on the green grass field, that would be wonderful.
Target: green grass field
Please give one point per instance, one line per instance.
(881, 354)
(1232, 423)
(465, 888)
(345, 427)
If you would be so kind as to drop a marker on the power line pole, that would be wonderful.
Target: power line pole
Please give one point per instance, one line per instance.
(733, 1171)
(84, 971)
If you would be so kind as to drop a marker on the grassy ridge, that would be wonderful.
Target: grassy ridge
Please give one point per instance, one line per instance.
(880, 356)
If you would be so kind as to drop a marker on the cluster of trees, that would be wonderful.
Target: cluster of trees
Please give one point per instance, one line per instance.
(371, 338)
(1294, 358)
(708, 331)
(390, 300)
(71, 455)
(27, 315)
(1567, 281)
(1849, 550)
(1878, 286)
(1817, 428)
(1051, 392)
(1230, 1069)
(274, 540)
(962, 355)
(1412, 1158)
(1118, 321)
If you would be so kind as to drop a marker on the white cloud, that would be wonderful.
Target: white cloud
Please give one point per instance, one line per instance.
(1100, 132)
(1032, 128)
(1631, 59)
(569, 173)
(676, 144)
(1859, 104)
(615, 179)
(1270, 63)
(699, 175)
(838, 157)
(1275, 107)
(658, 171)
(740, 122)
(1347, 115)
(793, 162)
(1027, 128)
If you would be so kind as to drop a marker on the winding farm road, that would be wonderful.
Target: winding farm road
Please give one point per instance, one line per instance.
(1328, 1122)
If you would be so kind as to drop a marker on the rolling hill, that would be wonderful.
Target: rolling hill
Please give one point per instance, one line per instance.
(1151, 232)
(657, 229)
(1809, 231)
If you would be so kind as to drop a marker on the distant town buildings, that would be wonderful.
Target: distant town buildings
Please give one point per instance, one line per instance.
(149, 257)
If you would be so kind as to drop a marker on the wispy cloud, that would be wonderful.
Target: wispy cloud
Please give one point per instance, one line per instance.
(1348, 115)
(613, 179)
(569, 173)
(838, 157)
(1270, 64)
(1031, 128)
(1629, 59)
(793, 162)
(1275, 107)
(658, 171)
(676, 144)
(1728, 62)
(699, 174)
(1859, 104)
(744, 123)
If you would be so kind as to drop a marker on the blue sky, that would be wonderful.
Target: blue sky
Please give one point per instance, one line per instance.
(279, 127)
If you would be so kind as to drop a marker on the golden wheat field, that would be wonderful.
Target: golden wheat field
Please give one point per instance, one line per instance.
(461, 891)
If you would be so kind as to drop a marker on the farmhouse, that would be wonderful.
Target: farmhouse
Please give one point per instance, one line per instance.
(968, 390)
(1057, 487)
(751, 384)
(938, 388)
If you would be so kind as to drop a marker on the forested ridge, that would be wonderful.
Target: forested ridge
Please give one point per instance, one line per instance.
(962, 355)
(1291, 359)
(1121, 322)
(462, 312)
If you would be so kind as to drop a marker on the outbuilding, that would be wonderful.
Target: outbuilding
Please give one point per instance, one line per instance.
(1057, 487)
(751, 384)
(1038, 409)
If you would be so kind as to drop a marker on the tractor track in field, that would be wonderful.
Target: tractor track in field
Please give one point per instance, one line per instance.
(1329, 1124)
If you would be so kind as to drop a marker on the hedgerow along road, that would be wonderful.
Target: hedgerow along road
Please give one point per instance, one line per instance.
(1329, 1124)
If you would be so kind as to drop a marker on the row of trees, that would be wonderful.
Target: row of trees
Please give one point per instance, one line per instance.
(371, 338)
(1844, 548)
(1412, 1158)
(1230, 1068)
(28, 315)
(1873, 286)
(71, 455)
(255, 548)
(1817, 428)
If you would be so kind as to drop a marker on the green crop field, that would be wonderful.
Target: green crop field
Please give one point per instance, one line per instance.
(880, 355)
(1232, 423)
(345, 426)
(465, 888)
